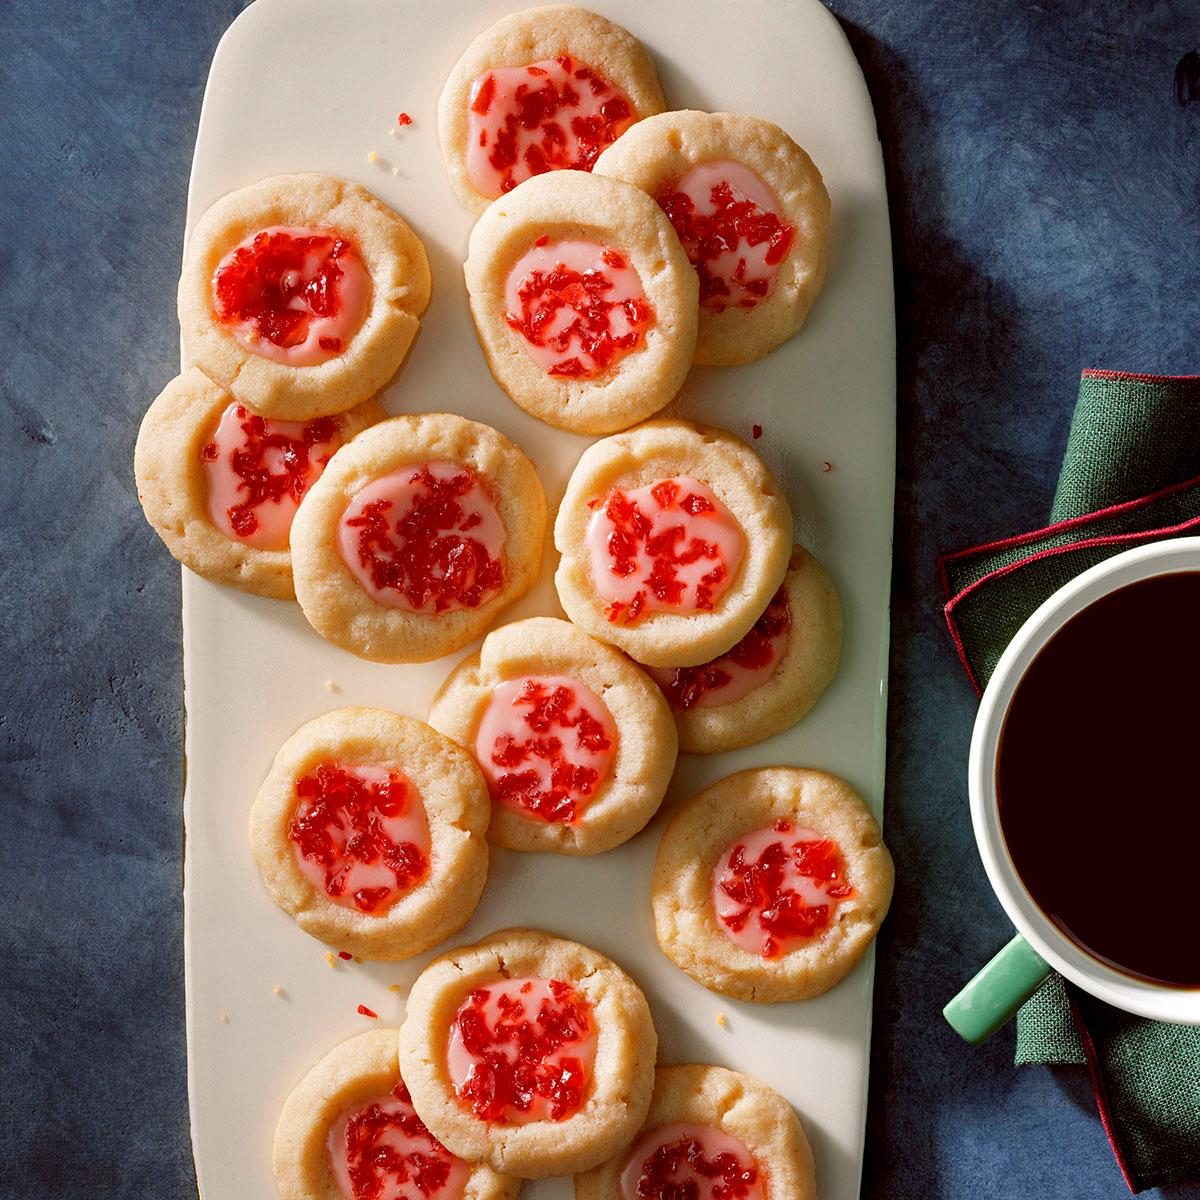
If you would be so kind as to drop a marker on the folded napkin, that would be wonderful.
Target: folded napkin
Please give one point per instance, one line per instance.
(1131, 474)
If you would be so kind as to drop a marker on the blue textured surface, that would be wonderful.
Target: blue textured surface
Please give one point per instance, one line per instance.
(1045, 187)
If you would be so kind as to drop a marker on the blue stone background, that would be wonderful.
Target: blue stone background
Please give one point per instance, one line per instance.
(1045, 187)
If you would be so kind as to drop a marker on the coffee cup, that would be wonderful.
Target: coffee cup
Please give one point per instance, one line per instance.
(1040, 946)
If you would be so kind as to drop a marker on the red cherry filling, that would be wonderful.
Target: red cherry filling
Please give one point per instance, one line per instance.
(671, 545)
(544, 750)
(341, 826)
(386, 1152)
(579, 316)
(708, 236)
(272, 465)
(426, 553)
(554, 115)
(529, 1044)
(686, 687)
(279, 282)
(761, 894)
(680, 1170)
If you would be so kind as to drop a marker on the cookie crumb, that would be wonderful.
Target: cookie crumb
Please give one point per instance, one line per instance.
(330, 686)
(394, 987)
(395, 170)
(223, 1017)
(278, 991)
(372, 157)
(331, 958)
(364, 1011)
(722, 1020)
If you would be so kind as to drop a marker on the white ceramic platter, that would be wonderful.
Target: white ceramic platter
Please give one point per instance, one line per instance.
(315, 85)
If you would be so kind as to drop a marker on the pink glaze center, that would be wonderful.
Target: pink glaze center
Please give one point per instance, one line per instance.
(521, 1050)
(360, 835)
(777, 888)
(670, 546)
(728, 221)
(545, 745)
(699, 1162)
(578, 306)
(257, 471)
(381, 1150)
(426, 538)
(551, 115)
(737, 673)
(293, 294)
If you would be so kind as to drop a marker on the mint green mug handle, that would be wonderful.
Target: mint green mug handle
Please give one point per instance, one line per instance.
(992, 998)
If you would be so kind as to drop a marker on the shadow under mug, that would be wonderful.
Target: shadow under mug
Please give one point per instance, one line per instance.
(1020, 968)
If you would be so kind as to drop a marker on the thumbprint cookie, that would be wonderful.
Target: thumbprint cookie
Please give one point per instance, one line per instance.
(530, 1053)
(546, 89)
(584, 302)
(752, 213)
(301, 294)
(576, 742)
(412, 541)
(771, 884)
(370, 830)
(674, 537)
(348, 1131)
(772, 677)
(220, 484)
(710, 1134)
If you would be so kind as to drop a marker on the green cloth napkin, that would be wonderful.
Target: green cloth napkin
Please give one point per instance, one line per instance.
(1131, 474)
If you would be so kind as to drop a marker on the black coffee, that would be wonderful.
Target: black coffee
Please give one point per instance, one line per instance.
(1098, 777)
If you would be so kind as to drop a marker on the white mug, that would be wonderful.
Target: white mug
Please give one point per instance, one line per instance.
(1018, 970)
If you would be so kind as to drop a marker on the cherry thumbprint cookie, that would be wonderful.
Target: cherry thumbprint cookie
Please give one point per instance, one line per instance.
(220, 483)
(674, 537)
(529, 1052)
(576, 742)
(301, 295)
(752, 213)
(412, 541)
(348, 1131)
(710, 1134)
(584, 301)
(370, 831)
(542, 90)
(771, 884)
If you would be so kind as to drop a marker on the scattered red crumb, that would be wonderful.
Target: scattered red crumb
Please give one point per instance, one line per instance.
(403, 119)
(364, 1011)
(757, 432)
(826, 466)
(345, 955)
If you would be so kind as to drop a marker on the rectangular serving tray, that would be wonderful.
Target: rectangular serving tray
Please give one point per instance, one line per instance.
(316, 85)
